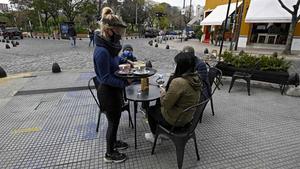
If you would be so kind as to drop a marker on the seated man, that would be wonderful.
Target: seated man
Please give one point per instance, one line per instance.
(127, 55)
(182, 91)
(202, 70)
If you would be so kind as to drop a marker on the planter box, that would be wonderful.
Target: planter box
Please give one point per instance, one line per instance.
(281, 78)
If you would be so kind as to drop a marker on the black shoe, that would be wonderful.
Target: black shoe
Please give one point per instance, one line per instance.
(120, 145)
(115, 157)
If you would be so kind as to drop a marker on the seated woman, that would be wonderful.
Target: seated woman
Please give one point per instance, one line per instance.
(182, 91)
(127, 55)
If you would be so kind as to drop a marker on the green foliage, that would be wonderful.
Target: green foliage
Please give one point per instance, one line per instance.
(198, 31)
(266, 63)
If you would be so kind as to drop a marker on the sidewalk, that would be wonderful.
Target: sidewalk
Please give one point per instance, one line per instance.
(57, 130)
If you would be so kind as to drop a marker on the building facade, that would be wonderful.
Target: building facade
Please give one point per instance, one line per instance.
(3, 7)
(264, 24)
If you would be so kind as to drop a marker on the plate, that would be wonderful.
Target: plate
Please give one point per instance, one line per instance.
(123, 73)
(141, 73)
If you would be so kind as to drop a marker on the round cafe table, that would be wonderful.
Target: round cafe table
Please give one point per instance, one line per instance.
(134, 94)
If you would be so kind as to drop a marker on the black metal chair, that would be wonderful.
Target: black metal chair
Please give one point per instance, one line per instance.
(214, 77)
(180, 136)
(245, 76)
(124, 107)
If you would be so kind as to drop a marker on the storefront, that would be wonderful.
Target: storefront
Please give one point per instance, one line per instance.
(214, 20)
(269, 24)
(264, 23)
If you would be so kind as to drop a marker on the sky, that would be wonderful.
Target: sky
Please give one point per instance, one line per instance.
(180, 2)
(4, 1)
(171, 2)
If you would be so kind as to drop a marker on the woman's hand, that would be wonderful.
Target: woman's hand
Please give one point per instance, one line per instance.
(162, 91)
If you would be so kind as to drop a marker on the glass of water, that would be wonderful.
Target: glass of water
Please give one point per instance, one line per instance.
(160, 80)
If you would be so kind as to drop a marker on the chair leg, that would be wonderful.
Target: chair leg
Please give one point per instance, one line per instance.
(212, 106)
(196, 146)
(154, 144)
(98, 123)
(248, 86)
(180, 145)
(231, 84)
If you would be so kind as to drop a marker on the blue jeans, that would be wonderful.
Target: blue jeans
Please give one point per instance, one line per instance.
(72, 41)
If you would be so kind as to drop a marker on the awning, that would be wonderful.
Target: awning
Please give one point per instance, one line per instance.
(269, 11)
(218, 15)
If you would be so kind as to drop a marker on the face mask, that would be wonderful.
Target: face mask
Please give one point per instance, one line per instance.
(127, 53)
(115, 38)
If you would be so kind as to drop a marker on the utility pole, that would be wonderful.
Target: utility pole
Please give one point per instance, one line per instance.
(136, 11)
(224, 28)
(233, 32)
(239, 25)
(99, 7)
(190, 15)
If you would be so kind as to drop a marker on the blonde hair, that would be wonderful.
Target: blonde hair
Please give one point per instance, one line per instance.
(111, 21)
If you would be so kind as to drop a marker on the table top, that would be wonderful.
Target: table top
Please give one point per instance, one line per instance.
(134, 93)
(136, 76)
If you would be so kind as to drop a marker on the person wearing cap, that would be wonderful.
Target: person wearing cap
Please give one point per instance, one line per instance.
(202, 71)
(109, 93)
(127, 55)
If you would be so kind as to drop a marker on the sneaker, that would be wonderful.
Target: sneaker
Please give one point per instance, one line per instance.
(115, 157)
(120, 145)
(150, 137)
(164, 137)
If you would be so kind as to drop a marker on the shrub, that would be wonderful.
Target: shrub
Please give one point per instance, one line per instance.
(266, 63)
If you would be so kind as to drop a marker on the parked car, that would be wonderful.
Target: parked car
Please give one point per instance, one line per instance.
(171, 33)
(150, 33)
(12, 33)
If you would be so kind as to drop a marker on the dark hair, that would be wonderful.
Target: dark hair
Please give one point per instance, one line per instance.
(186, 62)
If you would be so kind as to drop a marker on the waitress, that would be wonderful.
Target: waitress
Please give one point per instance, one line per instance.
(109, 93)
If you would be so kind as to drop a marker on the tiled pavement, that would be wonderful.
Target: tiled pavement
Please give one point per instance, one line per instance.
(257, 131)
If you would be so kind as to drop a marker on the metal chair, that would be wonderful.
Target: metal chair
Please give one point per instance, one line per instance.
(124, 107)
(245, 76)
(214, 77)
(180, 136)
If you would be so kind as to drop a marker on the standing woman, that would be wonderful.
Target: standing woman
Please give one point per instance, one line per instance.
(110, 89)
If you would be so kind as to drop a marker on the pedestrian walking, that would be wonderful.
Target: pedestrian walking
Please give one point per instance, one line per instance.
(109, 93)
(91, 36)
(72, 35)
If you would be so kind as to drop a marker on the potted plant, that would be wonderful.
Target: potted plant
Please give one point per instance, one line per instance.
(269, 68)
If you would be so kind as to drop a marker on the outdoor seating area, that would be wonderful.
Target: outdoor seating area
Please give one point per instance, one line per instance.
(58, 130)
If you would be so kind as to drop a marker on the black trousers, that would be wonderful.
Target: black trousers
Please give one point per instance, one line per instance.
(111, 102)
(155, 117)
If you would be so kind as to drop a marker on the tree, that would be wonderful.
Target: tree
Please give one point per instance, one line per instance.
(295, 19)
(88, 10)
(71, 8)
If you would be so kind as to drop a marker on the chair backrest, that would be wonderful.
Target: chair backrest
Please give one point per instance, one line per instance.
(214, 74)
(96, 83)
(199, 109)
(197, 114)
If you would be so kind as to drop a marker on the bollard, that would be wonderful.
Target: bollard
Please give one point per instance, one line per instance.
(17, 43)
(156, 45)
(206, 51)
(2, 72)
(55, 68)
(7, 46)
(167, 47)
(14, 44)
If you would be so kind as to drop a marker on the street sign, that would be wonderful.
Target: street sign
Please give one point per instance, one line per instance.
(182, 11)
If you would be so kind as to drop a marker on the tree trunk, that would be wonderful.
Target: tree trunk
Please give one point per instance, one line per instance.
(288, 45)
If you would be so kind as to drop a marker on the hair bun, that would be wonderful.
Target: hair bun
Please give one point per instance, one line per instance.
(106, 11)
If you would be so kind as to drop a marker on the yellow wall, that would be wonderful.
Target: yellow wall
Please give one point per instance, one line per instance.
(297, 32)
(245, 28)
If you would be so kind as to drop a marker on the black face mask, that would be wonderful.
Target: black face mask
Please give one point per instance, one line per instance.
(115, 38)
